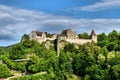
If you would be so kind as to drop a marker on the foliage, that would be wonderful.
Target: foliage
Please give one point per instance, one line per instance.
(83, 36)
(25, 37)
(4, 71)
(36, 64)
(90, 61)
(111, 41)
(17, 52)
(70, 47)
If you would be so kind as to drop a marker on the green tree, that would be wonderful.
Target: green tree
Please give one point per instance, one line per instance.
(65, 61)
(4, 71)
(8, 62)
(102, 40)
(96, 73)
(115, 72)
(114, 35)
(85, 35)
(62, 66)
(103, 51)
(112, 46)
(25, 37)
(103, 43)
(102, 37)
(17, 52)
(81, 61)
(27, 44)
(21, 66)
(70, 47)
(80, 36)
(36, 64)
(53, 63)
(118, 45)
(2, 51)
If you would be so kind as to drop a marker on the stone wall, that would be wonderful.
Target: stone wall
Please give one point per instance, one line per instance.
(33, 36)
(71, 35)
(67, 35)
(79, 41)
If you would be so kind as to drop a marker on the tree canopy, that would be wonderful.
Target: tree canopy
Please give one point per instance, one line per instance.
(90, 61)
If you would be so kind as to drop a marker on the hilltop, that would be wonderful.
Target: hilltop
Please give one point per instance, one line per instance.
(31, 60)
(66, 35)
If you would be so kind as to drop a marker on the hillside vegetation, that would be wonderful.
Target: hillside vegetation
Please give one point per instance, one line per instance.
(91, 61)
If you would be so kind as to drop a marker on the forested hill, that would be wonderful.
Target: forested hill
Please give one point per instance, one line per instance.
(29, 60)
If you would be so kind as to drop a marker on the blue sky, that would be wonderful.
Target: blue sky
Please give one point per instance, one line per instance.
(70, 8)
(21, 16)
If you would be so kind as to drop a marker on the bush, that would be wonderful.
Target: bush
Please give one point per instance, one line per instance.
(4, 71)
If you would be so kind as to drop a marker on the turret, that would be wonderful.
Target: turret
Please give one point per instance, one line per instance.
(93, 36)
(33, 35)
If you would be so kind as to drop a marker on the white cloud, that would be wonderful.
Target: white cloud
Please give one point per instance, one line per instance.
(103, 4)
(15, 22)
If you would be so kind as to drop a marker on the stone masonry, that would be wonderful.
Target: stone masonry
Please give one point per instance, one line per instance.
(67, 35)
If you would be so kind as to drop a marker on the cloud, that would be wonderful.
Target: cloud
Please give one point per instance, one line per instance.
(103, 4)
(14, 22)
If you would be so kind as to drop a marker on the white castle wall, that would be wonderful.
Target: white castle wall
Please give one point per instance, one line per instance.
(43, 38)
(78, 41)
(40, 39)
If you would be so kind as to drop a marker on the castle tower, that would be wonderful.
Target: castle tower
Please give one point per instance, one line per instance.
(93, 36)
(33, 35)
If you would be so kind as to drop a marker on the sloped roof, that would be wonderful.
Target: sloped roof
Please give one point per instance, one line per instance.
(93, 33)
(65, 31)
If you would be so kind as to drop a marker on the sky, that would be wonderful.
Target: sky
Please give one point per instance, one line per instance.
(18, 17)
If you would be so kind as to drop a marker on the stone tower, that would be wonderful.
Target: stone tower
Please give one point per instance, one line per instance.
(33, 35)
(93, 36)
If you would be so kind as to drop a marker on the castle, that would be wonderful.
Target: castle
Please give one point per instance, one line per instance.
(67, 35)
